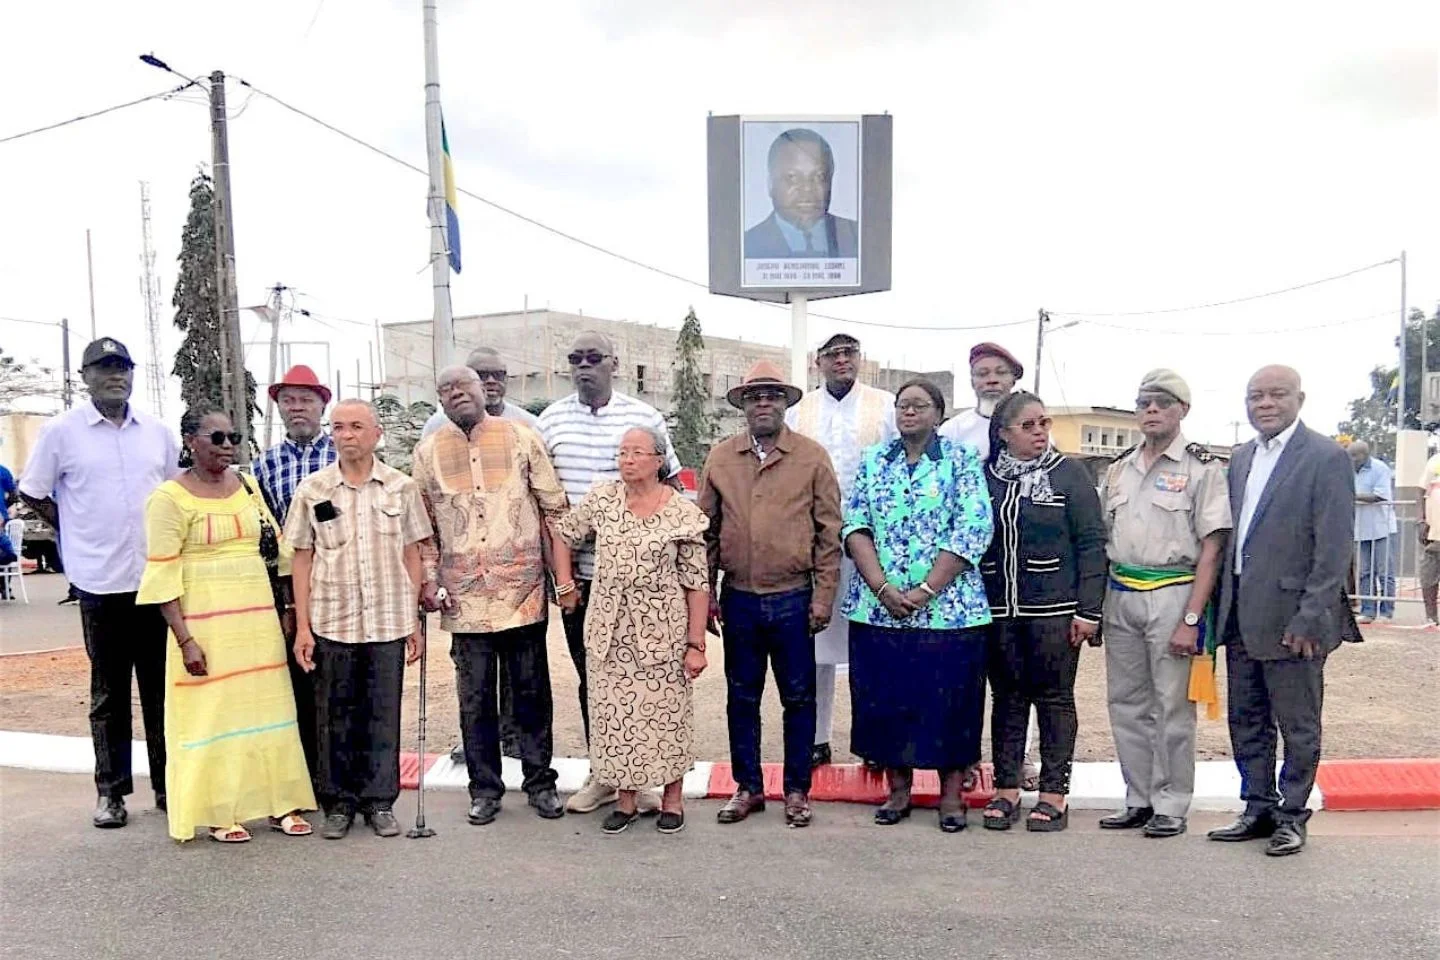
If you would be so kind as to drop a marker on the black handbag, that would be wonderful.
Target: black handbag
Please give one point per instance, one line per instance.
(269, 543)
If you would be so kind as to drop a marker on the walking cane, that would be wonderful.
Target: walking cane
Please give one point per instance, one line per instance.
(420, 829)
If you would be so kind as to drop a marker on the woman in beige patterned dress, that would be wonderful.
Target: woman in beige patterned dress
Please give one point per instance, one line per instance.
(644, 629)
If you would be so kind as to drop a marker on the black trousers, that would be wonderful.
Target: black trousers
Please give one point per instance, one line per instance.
(478, 657)
(121, 637)
(1264, 695)
(574, 624)
(303, 685)
(1030, 662)
(358, 687)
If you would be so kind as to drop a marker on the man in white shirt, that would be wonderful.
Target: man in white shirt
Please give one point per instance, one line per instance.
(843, 416)
(582, 433)
(1429, 530)
(994, 372)
(92, 471)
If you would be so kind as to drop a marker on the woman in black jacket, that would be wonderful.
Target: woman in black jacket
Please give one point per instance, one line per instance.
(1045, 579)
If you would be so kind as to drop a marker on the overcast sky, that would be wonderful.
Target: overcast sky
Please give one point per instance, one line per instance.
(1103, 157)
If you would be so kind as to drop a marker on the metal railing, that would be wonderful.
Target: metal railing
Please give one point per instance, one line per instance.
(1385, 574)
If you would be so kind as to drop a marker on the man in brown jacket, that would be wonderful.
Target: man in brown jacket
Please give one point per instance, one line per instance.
(774, 508)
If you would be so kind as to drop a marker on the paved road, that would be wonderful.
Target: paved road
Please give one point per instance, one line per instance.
(521, 888)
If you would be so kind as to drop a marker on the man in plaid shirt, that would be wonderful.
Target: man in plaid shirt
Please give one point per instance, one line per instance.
(302, 399)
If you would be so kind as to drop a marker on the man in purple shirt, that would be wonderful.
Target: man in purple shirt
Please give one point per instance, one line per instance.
(91, 472)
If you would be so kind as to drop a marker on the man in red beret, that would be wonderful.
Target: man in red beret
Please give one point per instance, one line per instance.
(993, 374)
(302, 399)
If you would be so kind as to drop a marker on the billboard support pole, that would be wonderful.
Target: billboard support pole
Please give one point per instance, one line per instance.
(799, 338)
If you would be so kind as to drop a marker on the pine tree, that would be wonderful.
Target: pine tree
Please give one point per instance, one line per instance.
(197, 305)
(692, 425)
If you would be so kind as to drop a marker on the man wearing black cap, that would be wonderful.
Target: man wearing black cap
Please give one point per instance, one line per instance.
(844, 416)
(89, 477)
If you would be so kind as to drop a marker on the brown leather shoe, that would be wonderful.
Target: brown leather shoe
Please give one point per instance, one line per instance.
(797, 809)
(740, 806)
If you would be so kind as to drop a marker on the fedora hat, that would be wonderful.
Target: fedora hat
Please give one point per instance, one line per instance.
(764, 373)
(300, 376)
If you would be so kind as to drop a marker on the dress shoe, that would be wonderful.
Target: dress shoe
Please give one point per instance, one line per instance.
(110, 813)
(1161, 825)
(1246, 827)
(820, 755)
(1288, 838)
(741, 805)
(161, 803)
(591, 797)
(484, 811)
(547, 804)
(797, 809)
(336, 825)
(1127, 819)
(383, 822)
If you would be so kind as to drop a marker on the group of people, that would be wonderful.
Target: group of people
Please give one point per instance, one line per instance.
(842, 526)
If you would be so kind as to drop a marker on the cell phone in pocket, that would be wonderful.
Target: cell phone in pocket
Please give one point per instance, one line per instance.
(325, 511)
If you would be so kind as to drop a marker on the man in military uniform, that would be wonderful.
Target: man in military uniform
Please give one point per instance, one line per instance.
(1167, 509)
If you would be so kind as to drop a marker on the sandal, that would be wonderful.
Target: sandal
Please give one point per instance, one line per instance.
(233, 834)
(1010, 814)
(292, 825)
(1051, 819)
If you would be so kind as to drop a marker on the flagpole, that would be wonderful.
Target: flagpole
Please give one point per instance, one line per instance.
(443, 323)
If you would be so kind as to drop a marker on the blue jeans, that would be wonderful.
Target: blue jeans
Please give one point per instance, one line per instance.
(774, 628)
(1376, 576)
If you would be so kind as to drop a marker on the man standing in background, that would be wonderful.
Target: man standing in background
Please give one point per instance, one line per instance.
(1429, 530)
(844, 416)
(1374, 533)
(490, 368)
(279, 471)
(101, 461)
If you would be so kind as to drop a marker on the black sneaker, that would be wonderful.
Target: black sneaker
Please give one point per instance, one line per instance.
(336, 825)
(618, 821)
(670, 822)
(383, 822)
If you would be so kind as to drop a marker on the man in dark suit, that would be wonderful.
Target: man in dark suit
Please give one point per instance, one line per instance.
(801, 168)
(1282, 605)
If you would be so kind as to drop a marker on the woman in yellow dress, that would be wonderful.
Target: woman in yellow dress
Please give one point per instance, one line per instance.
(229, 709)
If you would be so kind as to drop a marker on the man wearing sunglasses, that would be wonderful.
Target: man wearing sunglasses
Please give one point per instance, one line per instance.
(1167, 510)
(582, 433)
(91, 472)
(494, 376)
(844, 416)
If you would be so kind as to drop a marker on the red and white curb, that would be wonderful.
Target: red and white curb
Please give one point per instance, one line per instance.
(1341, 785)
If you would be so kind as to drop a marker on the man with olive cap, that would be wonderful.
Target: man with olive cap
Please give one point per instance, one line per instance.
(1167, 511)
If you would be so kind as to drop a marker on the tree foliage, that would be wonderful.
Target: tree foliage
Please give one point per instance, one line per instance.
(692, 424)
(20, 381)
(197, 305)
(402, 426)
(1372, 417)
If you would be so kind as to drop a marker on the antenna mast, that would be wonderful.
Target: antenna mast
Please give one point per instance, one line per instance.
(150, 293)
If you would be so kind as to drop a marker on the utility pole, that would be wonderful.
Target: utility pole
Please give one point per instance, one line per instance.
(442, 332)
(1404, 324)
(1042, 318)
(232, 350)
(90, 275)
(277, 290)
(65, 391)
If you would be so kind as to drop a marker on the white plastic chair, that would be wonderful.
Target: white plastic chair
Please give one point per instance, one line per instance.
(11, 573)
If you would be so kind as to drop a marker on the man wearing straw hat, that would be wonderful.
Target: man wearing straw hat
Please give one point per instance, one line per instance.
(774, 509)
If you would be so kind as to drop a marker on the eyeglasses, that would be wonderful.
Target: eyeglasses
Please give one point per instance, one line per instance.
(1162, 400)
(759, 396)
(841, 353)
(913, 406)
(592, 357)
(218, 437)
(1027, 425)
(632, 454)
(499, 376)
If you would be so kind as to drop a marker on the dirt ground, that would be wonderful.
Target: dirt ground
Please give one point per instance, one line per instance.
(1380, 700)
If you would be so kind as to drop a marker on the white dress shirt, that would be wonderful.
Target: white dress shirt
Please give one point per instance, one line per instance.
(969, 427)
(1262, 465)
(838, 428)
(100, 476)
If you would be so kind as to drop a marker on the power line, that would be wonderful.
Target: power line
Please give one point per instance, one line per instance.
(97, 113)
(624, 258)
(1236, 333)
(1226, 303)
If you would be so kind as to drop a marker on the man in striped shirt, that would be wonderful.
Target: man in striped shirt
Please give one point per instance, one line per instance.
(306, 449)
(582, 433)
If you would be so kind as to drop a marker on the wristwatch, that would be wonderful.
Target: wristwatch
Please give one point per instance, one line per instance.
(1192, 619)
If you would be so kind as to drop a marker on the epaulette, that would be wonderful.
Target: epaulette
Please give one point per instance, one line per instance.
(1199, 453)
(1119, 459)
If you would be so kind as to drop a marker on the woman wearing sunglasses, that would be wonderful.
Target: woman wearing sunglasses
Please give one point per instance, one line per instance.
(230, 728)
(1045, 577)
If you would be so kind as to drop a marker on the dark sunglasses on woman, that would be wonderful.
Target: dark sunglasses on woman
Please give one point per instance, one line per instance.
(218, 437)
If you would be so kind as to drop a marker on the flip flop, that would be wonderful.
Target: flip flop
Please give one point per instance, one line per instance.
(292, 825)
(234, 834)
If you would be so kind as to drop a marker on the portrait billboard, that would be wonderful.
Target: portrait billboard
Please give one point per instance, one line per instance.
(799, 204)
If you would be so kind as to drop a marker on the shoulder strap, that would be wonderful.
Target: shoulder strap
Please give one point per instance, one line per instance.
(1199, 453)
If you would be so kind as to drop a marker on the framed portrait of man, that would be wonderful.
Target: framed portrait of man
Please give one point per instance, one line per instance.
(800, 208)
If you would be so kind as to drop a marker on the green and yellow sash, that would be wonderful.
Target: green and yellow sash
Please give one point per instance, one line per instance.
(1136, 579)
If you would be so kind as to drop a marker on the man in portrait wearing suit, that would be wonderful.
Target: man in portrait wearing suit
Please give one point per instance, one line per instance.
(801, 168)
(1282, 605)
